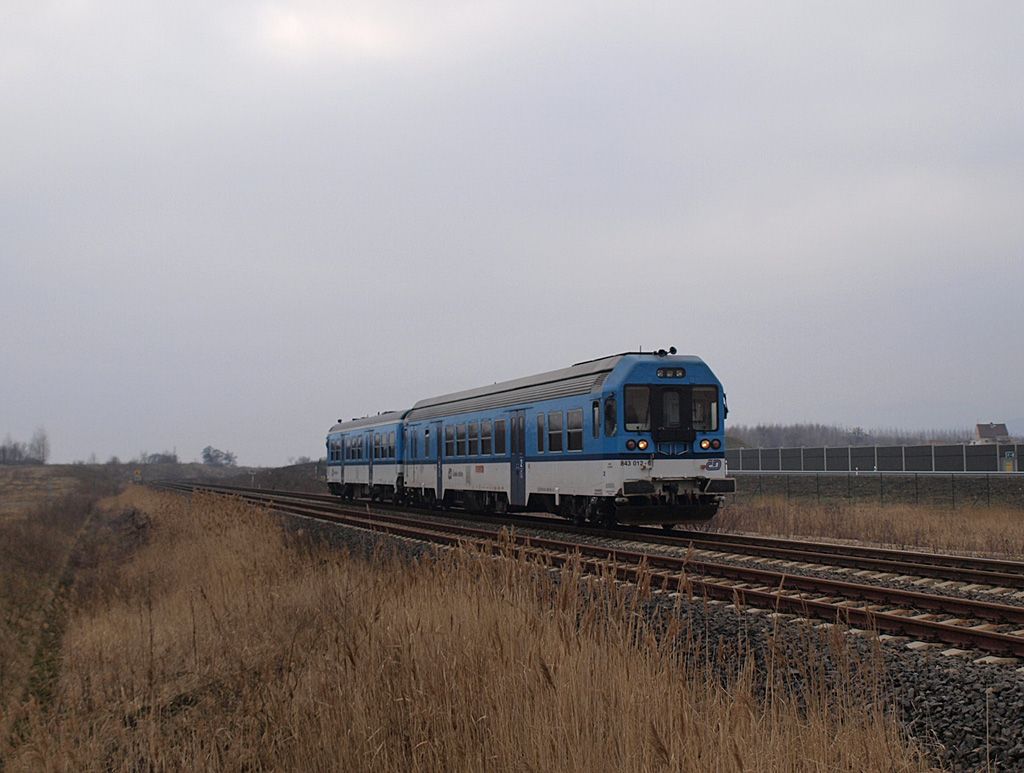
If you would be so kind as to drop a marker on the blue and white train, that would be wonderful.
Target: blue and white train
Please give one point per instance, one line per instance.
(633, 438)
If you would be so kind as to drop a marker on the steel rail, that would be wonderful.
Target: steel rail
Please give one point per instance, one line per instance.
(967, 569)
(677, 575)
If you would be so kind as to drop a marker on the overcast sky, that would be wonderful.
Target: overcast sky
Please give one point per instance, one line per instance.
(232, 223)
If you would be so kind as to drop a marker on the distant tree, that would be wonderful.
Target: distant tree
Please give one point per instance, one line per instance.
(92, 458)
(164, 458)
(13, 452)
(113, 460)
(214, 457)
(303, 460)
(39, 446)
(813, 435)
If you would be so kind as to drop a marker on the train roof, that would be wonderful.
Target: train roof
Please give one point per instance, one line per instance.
(580, 379)
(389, 417)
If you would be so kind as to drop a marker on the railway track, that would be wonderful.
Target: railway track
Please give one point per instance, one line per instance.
(997, 574)
(989, 627)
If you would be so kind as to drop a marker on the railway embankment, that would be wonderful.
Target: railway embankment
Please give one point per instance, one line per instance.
(220, 640)
(945, 694)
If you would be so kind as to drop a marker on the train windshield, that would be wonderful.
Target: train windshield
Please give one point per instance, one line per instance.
(705, 408)
(638, 408)
(672, 412)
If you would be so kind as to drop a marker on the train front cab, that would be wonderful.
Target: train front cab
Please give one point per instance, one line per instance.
(671, 449)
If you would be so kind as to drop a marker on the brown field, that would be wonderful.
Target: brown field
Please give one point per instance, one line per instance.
(222, 642)
(24, 487)
(984, 530)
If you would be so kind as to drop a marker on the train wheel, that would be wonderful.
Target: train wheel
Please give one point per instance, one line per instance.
(604, 515)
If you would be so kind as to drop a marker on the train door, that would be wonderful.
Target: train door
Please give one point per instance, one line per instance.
(341, 452)
(517, 451)
(368, 440)
(435, 448)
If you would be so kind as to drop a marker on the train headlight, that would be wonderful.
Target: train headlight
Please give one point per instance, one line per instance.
(705, 444)
(630, 444)
(716, 443)
(680, 372)
(642, 445)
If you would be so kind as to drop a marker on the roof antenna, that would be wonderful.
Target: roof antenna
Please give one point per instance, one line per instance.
(671, 350)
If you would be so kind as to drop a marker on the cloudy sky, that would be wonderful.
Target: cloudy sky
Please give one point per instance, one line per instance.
(231, 223)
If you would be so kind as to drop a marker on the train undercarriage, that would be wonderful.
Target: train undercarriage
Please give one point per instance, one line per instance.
(664, 508)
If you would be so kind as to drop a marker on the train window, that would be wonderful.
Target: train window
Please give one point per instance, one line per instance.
(611, 419)
(460, 440)
(474, 438)
(499, 436)
(521, 433)
(596, 418)
(391, 445)
(426, 443)
(540, 433)
(671, 414)
(449, 441)
(485, 436)
(638, 409)
(574, 430)
(555, 431)
(705, 409)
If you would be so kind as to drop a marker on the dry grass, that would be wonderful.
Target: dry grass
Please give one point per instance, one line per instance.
(988, 530)
(34, 552)
(226, 644)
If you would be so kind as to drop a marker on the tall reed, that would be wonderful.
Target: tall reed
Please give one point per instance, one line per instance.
(228, 643)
